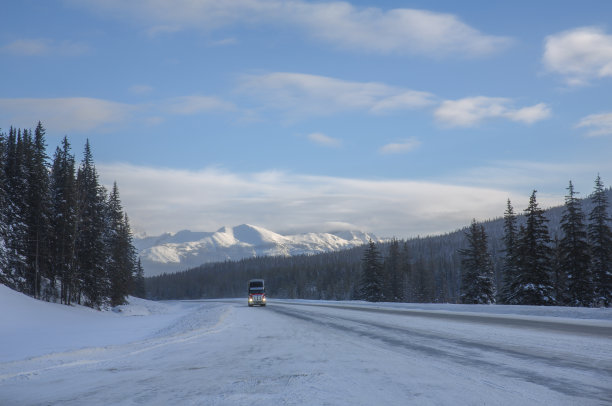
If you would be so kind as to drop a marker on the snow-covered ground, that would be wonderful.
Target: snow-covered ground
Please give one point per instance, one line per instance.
(302, 353)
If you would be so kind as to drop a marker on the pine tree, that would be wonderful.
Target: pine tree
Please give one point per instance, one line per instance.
(64, 221)
(574, 251)
(16, 186)
(393, 273)
(510, 263)
(37, 213)
(91, 252)
(5, 276)
(408, 293)
(477, 280)
(121, 261)
(600, 238)
(558, 275)
(532, 285)
(371, 282)
(138, 283)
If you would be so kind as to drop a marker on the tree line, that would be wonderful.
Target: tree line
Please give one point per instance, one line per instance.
(63, 236)
(474, 265)
(574, 268)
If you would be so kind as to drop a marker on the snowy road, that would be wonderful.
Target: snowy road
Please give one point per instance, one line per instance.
(302, 353)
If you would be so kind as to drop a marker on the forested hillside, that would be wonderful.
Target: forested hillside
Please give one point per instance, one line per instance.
(63, 236)
(424, 269)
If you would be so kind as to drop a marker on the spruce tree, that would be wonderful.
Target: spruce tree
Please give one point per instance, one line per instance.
(600, 238)
(393, 273)
(16, 186)
(477, 279)
(37, 213)
(574, 252)
(5, 276)
(558, 276)
(510, 264)
(91, 251)
(408, 293)
(138, 282)
(372, 268)
(532, 285)
(121, 261)
(64, 221)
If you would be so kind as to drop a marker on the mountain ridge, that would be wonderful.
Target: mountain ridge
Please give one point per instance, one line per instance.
(173, 252)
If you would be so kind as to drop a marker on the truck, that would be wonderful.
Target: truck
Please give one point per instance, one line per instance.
(256, 292)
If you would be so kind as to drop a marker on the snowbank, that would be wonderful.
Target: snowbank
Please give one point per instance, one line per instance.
(32, 327)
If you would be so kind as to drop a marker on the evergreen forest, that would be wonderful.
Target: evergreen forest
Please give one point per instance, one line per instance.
(63, 236)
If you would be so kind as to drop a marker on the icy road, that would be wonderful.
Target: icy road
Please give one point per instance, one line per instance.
(310, 353)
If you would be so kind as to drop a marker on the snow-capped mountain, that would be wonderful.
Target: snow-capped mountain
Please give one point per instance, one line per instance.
(187, 249)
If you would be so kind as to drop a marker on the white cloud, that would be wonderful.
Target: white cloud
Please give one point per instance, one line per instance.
(599, 124)
(195, 104)
(550, 179)
(45, 46)
(401, 147)
(304, 95)
(579, 55)
(529, 115)
(395, 31)
(471, 111)
(159, 200)
(339, 23)
(324, 140)
(65, 114)
(86, 114)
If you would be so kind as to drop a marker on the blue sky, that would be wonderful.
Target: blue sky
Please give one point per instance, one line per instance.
(400, 117)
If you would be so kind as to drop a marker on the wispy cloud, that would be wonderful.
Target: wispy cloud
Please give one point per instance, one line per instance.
(45, 46)
(340, 24)
(394, 31)
(195, 104)
(579, 55)
(599, 124)
(471, 111)
(520, 177)
(159, 200)
(401, 147)
(66, 114)
(302, 95)
(86, 114)
(324, 140)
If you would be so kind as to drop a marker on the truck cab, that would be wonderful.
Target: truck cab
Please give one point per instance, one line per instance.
(256, 292)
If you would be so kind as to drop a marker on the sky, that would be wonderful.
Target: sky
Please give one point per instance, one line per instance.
(400, 118)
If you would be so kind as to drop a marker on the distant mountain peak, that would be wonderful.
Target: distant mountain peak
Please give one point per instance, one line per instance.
(172, 252)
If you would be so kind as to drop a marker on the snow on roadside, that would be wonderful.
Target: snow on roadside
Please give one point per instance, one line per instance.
(141, 307)
(32, 328)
